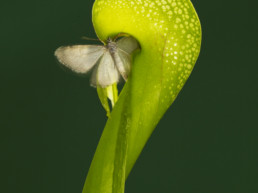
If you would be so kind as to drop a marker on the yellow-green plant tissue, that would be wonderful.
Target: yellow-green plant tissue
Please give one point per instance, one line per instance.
(169, 37)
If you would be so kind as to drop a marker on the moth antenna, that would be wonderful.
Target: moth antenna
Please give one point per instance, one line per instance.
(88, 38)
(120, 35)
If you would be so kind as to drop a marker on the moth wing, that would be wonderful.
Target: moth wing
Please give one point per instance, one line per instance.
(106, 72)
(93, 80)
(123, 62)
(128, 44)
(79, 58)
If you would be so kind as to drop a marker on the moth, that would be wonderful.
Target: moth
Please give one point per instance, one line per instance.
(108, 62)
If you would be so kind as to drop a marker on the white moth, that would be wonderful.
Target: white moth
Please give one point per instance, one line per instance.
(109, 61)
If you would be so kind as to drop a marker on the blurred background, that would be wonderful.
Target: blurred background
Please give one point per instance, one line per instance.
(51, 119)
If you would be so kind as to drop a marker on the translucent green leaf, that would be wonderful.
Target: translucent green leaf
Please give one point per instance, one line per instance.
(106, 93)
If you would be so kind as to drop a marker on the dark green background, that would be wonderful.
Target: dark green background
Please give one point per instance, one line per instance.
(51, 120)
